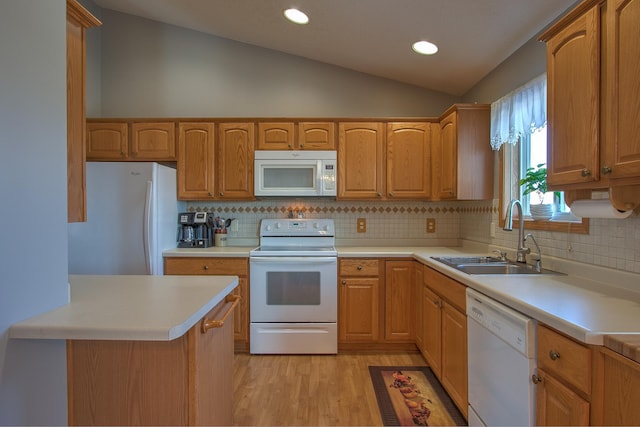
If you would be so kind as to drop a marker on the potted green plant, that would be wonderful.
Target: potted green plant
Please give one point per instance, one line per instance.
(535, 181)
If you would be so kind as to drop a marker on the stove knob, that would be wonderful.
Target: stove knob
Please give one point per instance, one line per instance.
(278, 225)
(316, 225)
(267, 228)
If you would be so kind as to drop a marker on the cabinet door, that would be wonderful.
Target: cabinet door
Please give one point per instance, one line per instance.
(241, 313)
(211, 371)
(196, 175)
(361, 155)
(399, 317)
(557, 405)
(573, 87)
(236, 145)
(358, 314)
(622, 94)
(107, 141)
(408, 161)
(153, 141)
(316, 136)
(616, 390)
(276, 136)
(419, 285)
(445, 161)
(432, 324)
(454, 355)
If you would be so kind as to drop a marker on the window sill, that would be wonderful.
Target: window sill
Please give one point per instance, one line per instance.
(573, 227)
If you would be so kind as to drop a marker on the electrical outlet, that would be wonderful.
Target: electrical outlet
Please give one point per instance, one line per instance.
(362, 225)
(431, 225)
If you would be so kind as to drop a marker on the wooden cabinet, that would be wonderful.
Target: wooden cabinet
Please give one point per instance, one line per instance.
(196, 160)
(236, 144)
(78, 20)
(215, 169)
(462, 163)
(358, 300)
(131, 141)
(220, 266)
(310, 136)
(399, 319)
(361, 160)
(563, 380)
(445, 334)
(186, 381)
(615, 390)
(592, 62)
(408, 173)
(419, 299)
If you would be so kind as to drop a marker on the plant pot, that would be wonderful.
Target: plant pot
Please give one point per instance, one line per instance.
(541, 212)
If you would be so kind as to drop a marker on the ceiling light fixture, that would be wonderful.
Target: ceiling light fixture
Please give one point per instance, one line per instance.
(425, 48)
(297, 16)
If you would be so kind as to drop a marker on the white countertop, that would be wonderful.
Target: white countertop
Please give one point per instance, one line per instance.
(147, 308)
(587, 303)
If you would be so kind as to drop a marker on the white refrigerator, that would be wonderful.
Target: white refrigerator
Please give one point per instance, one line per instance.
(132, 216)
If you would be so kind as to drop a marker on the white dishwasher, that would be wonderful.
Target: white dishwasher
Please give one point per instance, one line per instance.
(502, 347)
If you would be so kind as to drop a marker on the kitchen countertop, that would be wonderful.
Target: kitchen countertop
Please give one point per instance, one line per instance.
(583, 303)
(143, 308)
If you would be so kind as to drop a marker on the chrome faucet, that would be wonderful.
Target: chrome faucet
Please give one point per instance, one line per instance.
(521, 251)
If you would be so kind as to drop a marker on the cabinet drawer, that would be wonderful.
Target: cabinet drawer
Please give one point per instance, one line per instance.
(565, 358)
(205, 266)
(359, 267)
(451, 290)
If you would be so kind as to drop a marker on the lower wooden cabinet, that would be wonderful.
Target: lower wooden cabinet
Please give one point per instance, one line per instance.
(358, 300)
(187, 381)
(220, 266)
(444, 323)
(563, 379)
(615, 390)
(399, 319)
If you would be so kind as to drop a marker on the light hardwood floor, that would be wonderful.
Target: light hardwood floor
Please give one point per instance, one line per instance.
(306, 390)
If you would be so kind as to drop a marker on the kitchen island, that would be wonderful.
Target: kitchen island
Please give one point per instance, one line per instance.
(144, 350)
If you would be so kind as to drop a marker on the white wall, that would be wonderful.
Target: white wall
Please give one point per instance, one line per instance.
(33, 242)
(151, 69)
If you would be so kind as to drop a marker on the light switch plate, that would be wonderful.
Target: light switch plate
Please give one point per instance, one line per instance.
(362, 225)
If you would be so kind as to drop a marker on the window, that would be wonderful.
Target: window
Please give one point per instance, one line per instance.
(518, 130)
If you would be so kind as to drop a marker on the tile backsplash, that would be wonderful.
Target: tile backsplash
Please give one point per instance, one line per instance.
(610, 242)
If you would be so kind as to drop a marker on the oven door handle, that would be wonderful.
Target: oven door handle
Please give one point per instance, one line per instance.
(293, 260)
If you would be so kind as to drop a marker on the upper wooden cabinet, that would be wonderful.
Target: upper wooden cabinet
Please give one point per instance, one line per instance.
(593, 57)
(78, 20)
(361, 160)
(462, 163)
(236, 144)
(214, 169)
(136, 141)
(300, 136)
(196, 160)
(408, 174)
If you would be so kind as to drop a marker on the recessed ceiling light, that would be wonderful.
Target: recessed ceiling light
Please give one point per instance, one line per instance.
(425, 48)
(294, 15)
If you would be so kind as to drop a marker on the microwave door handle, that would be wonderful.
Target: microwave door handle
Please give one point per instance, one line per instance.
(319, 177)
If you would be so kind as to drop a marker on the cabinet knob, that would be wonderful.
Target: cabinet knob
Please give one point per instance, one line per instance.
(554, 355)
(289, 145)
(391, 193)
(210, 194)
(379, 194)
(301, 145)
(606, 170)
(122, 154)
(344, 282)
(222, 193)
(359, 268)
(585, 172)
(206, 267)
(536, 379)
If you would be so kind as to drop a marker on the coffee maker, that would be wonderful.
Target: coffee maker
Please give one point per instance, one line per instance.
(195, 230)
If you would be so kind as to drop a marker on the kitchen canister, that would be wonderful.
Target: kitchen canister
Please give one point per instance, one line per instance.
(220, 238)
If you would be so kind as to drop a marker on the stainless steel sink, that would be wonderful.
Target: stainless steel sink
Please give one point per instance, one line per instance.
(489, 265)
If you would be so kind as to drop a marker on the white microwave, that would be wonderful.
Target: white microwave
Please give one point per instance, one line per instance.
(295, 173)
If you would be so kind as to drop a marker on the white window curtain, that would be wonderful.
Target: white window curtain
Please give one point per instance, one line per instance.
(521, 111)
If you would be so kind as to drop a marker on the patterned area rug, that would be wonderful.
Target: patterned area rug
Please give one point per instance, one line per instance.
(413, 396)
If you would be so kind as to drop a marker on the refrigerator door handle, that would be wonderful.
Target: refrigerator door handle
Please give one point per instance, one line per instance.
(146, 229)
